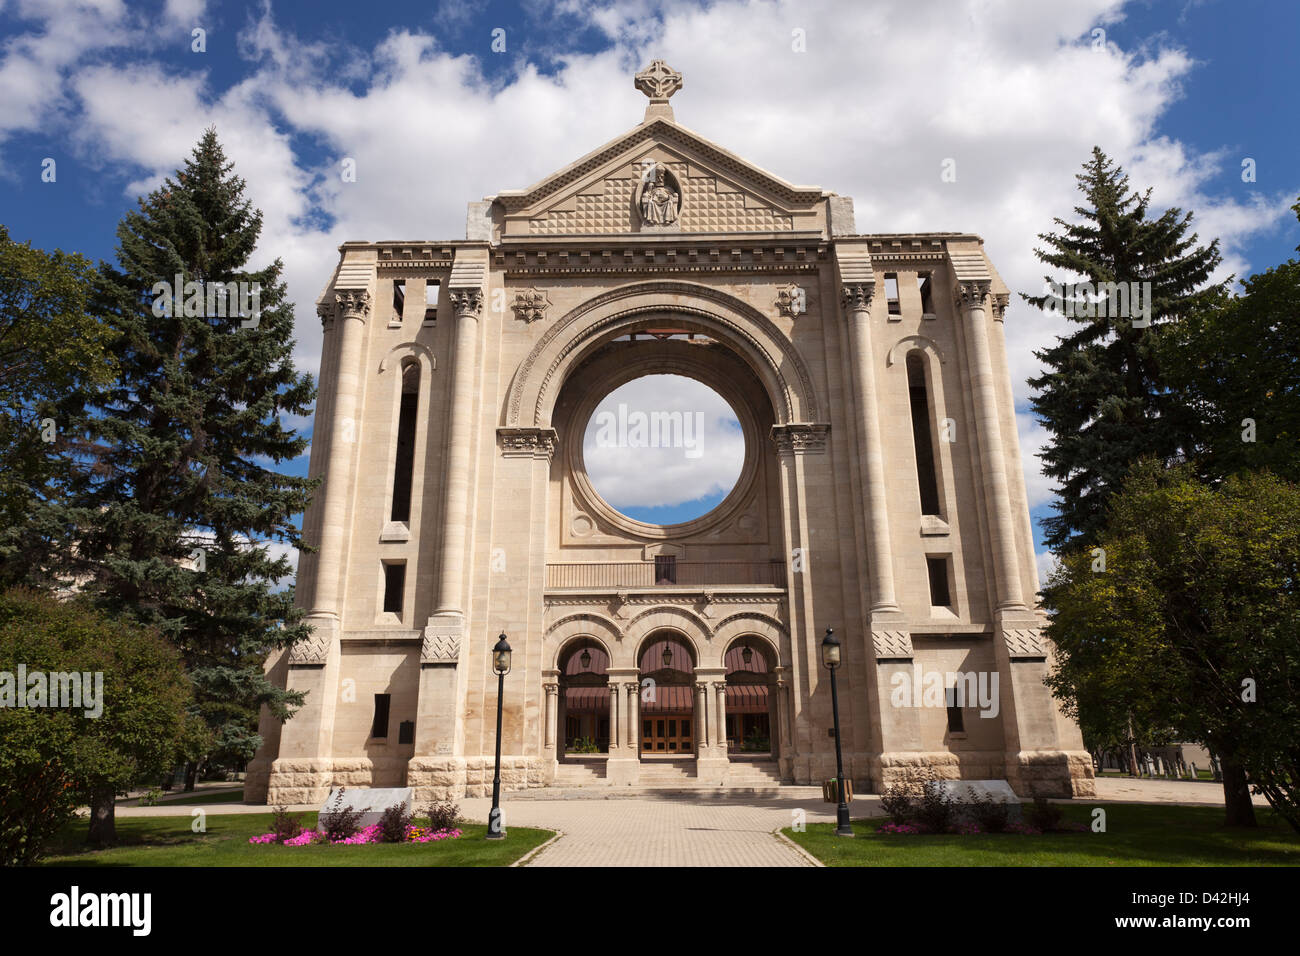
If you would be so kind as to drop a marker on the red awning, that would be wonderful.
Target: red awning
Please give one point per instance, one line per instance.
(667, 699)
(747, 699)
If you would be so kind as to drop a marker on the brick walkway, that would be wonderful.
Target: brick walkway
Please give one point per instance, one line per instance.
(663, 831)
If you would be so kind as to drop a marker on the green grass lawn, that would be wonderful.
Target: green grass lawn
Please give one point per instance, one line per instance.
(168, 841)
(1136, 835)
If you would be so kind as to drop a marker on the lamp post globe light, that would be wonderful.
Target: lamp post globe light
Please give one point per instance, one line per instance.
(500, 664)
(831, 661)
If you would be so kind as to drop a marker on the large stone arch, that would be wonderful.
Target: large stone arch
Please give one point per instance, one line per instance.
(752, 623)
(692, 628)
(576, 626)
(753, 336)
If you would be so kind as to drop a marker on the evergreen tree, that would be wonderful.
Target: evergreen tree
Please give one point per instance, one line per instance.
(179, 508)
(1103, 398)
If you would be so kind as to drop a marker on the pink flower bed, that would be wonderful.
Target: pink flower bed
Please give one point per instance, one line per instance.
(368, 834)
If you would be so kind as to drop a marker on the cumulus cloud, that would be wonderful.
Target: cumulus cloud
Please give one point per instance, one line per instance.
(1046, 563)
(1014, 94)
(662, 440)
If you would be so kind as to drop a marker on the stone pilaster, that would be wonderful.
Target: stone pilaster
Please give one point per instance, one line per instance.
(622, 768)
(871, 456)
(303, 770)
(1041, 754)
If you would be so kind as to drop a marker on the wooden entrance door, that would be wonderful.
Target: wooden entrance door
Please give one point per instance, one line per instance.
(667, 734)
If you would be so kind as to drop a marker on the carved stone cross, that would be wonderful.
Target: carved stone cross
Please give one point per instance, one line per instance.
(658, 81)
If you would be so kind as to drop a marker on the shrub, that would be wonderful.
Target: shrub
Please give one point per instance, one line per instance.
(150, 798)
(1043, 815)
(394, 823)
(340, 822)
(936, 808)
(285, 825)
(990, 815)
(442, 816)
(898, 803)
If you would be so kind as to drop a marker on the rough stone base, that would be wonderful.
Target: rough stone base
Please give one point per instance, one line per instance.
(911, 767)
(257, 778)
(299, 780)
(1051, 773)
(450, 778)
(436, 779)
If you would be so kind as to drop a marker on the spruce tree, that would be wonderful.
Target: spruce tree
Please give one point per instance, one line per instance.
(179, 506)
(1103, 397)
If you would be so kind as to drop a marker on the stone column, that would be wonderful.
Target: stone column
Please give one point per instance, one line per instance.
(871, 456)
(440, 686)
(720, 693)
(552, 713)
(997, 496)
(633, 715)
(615, 711)
(701, 719)
(353, 309)
(890, 651)
(468, 303)
(622, 766)
(1044, 753)
(302, 772)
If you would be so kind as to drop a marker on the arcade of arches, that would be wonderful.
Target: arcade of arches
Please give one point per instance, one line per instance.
(666, 711)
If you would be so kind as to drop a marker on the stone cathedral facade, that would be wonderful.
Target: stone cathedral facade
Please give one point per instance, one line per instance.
(881, 495)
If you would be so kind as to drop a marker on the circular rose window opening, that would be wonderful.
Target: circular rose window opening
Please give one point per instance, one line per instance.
(663, 449)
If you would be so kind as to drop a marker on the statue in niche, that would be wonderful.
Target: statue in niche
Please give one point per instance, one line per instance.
(659, 201)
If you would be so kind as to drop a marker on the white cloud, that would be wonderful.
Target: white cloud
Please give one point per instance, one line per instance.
(186, 13)
(1013, 92)
(1046, 563)
(1033, 436)
(701, 447)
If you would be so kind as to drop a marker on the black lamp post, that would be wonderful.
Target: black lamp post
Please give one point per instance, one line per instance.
(831, 660)
(500, 664)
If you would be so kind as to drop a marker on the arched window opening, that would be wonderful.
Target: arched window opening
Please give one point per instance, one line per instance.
(749, 701)
(584, 701)
(404, 467)
(667, 703)
(922, 435)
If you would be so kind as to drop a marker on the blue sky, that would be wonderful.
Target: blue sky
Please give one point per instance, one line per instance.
(1179, 92)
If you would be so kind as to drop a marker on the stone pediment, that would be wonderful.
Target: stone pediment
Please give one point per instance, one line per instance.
(709, 192)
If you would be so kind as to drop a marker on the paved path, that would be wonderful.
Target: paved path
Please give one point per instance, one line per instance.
(1197, 793)
(664, 831)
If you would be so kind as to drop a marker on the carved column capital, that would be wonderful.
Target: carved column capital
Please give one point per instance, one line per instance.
(325, 311)
(467, 302)
(353, 303)
(970, 295)
(1000, 303)
(527, 442)
(857, 296)
(801, 438)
